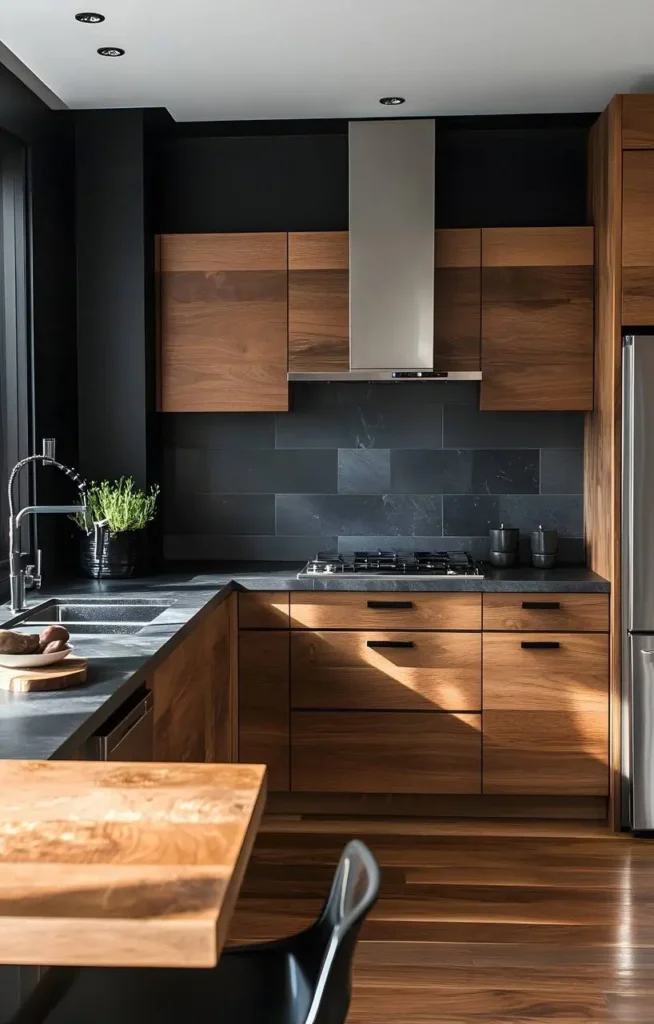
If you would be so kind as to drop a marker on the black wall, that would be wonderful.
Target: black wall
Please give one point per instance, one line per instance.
(292, 176)
(115, 274)
(47, 135)
(256, 183)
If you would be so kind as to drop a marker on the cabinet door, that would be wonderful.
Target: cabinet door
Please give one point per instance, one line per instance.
(264, 703)
(318, 302)
(537, 318)
(638, 238)
(181, 690)
(457, 299)
(385, 752)
(223, 323)
(546, 724)
(194, 693)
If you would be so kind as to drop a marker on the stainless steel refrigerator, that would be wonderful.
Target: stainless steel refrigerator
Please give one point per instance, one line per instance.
(638, 582)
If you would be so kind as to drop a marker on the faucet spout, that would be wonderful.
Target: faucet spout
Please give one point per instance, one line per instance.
(16, 572)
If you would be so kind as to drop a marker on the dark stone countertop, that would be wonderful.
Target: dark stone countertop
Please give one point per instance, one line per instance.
(269, 576)
(45, 725)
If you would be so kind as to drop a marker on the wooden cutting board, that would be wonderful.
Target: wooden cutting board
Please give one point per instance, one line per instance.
(69, 672)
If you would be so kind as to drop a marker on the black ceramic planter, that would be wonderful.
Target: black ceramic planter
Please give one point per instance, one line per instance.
(116, 556)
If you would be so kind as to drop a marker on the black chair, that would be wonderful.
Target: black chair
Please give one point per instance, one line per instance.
(304, 979)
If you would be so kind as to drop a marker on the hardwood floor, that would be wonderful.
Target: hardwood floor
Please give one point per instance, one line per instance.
(477, 921)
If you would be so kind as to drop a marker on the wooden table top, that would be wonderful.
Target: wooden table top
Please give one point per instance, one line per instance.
(123, 864)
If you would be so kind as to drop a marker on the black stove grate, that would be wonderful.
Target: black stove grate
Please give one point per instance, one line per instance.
(392, 563)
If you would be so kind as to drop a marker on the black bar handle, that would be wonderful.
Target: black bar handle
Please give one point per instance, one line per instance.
(540, 645)
(549, 606)
(390, 604)
(389, 643)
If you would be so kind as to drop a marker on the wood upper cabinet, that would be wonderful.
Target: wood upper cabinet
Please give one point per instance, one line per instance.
(457, 299)
(637, 121)
(546, 722)
(223, 323)
(318, 302)
(638, 238)
(537, 318)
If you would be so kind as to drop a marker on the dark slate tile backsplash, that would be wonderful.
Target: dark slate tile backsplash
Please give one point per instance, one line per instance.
(351, 466)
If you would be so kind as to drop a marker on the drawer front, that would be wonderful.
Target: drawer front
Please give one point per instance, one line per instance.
(263, 610)
(520, 673)
(418, 671)
(574, 612)
(546, 721)
(364, 610)
(385, 752)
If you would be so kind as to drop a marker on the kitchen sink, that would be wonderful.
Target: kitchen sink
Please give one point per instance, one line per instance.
(95, 617)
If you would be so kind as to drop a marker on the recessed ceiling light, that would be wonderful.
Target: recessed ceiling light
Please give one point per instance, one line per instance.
(89, 18)
(392, 101)
(111, 51)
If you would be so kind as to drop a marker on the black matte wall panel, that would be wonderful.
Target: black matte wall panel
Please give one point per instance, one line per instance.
(51, 171)
(264, 183)
(115, 258)
(511, 177)
(490, 172)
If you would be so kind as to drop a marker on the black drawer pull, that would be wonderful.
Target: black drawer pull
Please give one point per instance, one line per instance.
(389, 643)
(390, 604)
(548, 606)
(540, 645)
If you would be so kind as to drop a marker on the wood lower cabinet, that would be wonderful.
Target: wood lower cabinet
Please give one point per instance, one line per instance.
(383, 670)
(263, 711)
(194, 694)
(638, 238)
(265, 609)
(574, 613)
(385, 752)
(537, 319)
(546, 713)
(457, 299)
(360, 610)
(223, 323)
(318, 302)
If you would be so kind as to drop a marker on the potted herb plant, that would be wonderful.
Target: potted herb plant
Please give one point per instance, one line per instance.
(114, 544)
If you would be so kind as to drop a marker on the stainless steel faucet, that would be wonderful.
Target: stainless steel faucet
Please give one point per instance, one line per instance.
(19, 577)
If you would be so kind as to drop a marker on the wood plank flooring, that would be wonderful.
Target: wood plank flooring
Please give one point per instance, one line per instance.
(477, 921)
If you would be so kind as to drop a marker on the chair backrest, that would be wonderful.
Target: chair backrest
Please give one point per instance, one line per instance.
(332, 940)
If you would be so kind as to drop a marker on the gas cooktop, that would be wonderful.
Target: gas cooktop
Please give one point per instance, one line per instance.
(390, 563)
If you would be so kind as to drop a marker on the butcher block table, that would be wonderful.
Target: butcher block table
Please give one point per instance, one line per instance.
(123, 864)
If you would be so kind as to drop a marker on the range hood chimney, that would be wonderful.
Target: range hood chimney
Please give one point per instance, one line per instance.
(392, 185)
(391, 237)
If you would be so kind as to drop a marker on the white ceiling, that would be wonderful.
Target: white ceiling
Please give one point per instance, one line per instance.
(233, 59)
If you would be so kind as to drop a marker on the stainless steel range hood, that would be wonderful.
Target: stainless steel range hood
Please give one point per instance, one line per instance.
(391, 234)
